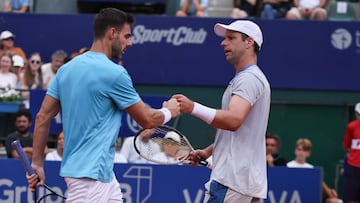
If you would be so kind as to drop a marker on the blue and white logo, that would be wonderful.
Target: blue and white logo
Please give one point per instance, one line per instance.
(341, 39)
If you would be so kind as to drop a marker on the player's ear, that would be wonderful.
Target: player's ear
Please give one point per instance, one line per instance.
(249, 42)
(111, 33)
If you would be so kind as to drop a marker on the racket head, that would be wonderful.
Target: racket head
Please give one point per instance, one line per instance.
(162, 145)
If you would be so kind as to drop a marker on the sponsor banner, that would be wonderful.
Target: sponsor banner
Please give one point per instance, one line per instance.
(167, 50)
(128, 125)
(161, 184)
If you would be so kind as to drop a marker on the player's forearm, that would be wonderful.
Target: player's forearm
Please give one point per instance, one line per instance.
(41, 132)
(209, 150)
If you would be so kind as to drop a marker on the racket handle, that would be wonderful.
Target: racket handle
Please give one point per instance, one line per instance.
(204, 163)
(25, 161)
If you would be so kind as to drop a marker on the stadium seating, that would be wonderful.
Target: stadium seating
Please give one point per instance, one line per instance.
(341, 10)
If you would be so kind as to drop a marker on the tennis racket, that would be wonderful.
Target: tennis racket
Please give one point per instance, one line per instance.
(26, 163)
(164, 145)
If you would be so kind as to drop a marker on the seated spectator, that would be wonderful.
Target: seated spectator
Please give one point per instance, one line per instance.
(31, 77)
(308, 9)
(302, 152)
(17, 68)
(17, 6)
(128, 150)
(119, 158)
(56, 155)
(7, 78)
(22, 133)
(7, 39)
(196, 8)
(272, 151)
(244, 8)
(274, 9)
(170, 148)
(49, 69)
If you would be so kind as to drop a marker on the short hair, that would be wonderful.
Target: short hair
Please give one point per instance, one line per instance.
(59, 54)
(304, 143)
(110, 17)
(270, 135)
(23, 112)
(256, 46)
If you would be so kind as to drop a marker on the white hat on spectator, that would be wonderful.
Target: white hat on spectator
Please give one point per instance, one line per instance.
(6, 35)
(357, 108)
(244, 26)
(173, 135)
(18, 61)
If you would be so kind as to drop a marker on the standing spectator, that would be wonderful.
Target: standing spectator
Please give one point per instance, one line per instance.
(196, 8)
(239, 148)
(351, 143)
(49, 69)
(308, 9)
(7, 78)
(244, 8)
(272, 151)
(128, 150)
(22, 133)
(57, 154)
(17, 6)
(7, 39)
(31, 78)
(92, 93)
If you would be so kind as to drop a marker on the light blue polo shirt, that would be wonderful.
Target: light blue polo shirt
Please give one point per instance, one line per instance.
(93, 92)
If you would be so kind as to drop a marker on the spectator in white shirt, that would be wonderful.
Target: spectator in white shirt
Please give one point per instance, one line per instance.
(49, 69)
(56, 155)
(128, 150)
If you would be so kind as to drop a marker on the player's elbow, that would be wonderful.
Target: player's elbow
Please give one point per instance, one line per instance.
(234, 124)
(147, 122)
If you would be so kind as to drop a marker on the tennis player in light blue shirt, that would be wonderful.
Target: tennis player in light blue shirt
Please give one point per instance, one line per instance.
(93, 114)
(92, 92)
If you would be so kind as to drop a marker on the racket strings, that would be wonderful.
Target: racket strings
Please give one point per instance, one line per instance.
(177, 149)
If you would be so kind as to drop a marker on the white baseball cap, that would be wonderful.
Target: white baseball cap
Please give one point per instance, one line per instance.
(18, 61)
(173, 135)
(244, 26)
(357, 108)
(6, 35)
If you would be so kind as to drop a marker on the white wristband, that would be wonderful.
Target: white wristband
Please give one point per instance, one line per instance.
(167, 115)
(203, 112)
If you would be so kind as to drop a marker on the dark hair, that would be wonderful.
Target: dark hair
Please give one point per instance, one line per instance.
(270, 135)
(256, 46)
(23, 112)
(110, 17)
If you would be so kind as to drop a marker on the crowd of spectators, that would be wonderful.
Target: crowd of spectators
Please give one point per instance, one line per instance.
(264, 9)
(20, 74)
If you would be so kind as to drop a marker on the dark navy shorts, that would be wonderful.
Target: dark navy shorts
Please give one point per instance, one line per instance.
(351, 190)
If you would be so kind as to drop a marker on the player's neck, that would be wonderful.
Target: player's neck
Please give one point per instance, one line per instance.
(244, 64)
(101, 46)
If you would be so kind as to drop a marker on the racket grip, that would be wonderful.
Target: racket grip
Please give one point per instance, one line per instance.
(204, 163)
(25, 161)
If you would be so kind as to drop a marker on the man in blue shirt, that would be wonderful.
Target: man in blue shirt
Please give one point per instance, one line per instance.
(17, 6)
(92, 92)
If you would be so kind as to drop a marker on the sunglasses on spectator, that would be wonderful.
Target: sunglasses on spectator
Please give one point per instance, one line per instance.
(35, 62)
